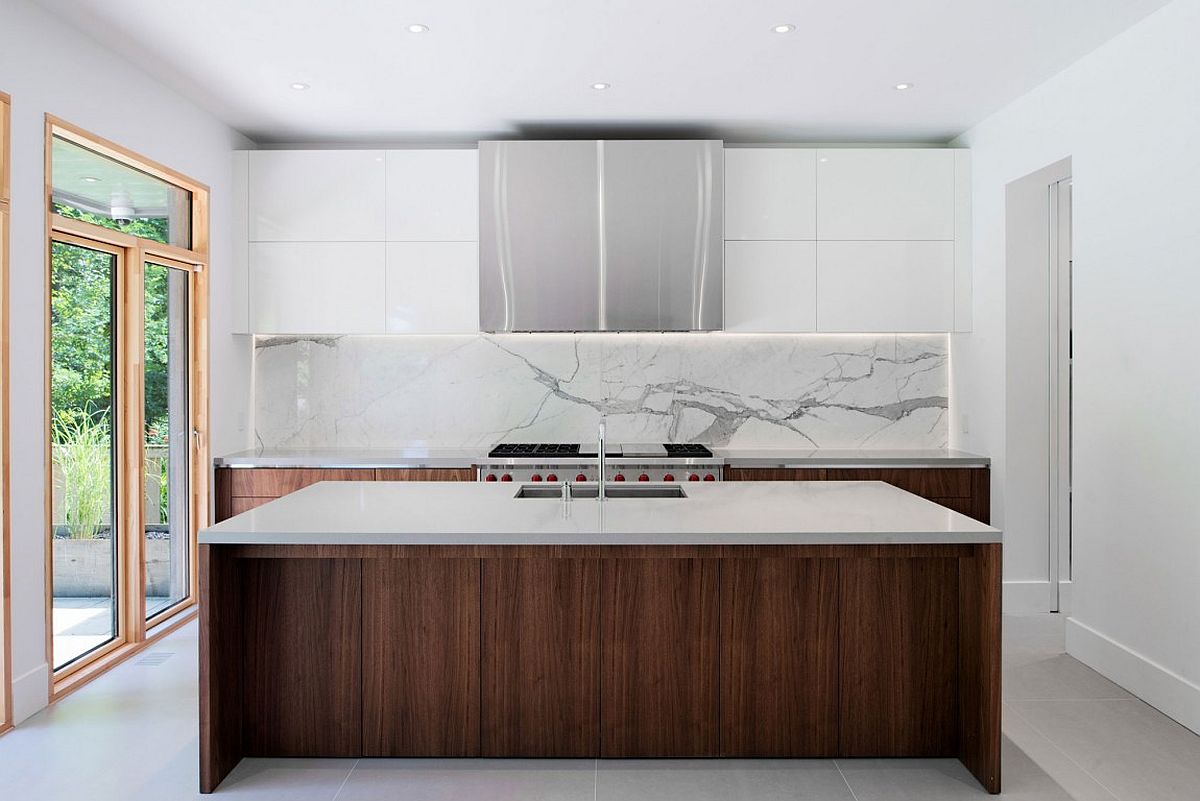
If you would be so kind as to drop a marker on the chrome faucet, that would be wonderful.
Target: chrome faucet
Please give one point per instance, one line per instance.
(600, 459)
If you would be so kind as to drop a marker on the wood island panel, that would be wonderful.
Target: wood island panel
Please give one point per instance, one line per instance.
(621, 651)
(779, 657)
(541, 657)
(275, 482)
(302, 663)
(659, 628)
(899, 657)
(420, 645)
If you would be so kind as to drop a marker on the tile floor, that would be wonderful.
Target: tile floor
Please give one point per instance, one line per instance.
(1069, 734)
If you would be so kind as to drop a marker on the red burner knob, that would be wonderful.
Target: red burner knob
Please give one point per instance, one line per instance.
(710, 477)
(619, 477)
(643, 477)
(490, 477)
(536, 477)
(506, 477)
(668, 477)
(694, 477)
(581, 477)
(551, 477)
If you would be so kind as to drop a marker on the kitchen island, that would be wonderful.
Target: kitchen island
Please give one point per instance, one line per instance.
(759, 619)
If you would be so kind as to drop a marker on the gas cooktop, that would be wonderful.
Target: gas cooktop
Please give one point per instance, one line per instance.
(543, 450)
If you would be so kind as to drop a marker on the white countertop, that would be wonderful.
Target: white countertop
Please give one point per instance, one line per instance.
(430, 456)
(729, 513)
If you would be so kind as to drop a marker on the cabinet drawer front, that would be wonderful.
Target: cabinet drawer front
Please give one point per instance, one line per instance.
(237, 505)
(273, 482)
(774, 474)
(425, 474)
(926, 482)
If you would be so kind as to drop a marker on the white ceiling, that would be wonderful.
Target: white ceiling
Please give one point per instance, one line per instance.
(499, 67)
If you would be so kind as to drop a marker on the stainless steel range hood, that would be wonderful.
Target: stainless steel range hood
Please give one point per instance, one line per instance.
(613, 235)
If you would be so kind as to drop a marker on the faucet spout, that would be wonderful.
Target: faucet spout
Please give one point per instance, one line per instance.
(600, 460)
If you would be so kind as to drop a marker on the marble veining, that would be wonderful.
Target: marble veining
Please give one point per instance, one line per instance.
(826, 391)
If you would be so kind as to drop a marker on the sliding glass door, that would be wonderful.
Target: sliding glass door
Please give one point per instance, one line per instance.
(167, 448)
(85, 542)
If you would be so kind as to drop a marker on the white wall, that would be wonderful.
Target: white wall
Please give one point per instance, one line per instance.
(1128, 115)
(49, 67)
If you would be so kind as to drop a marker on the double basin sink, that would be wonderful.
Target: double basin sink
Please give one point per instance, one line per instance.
(613, 491)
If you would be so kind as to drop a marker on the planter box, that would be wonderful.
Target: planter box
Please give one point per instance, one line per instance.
(84, 568)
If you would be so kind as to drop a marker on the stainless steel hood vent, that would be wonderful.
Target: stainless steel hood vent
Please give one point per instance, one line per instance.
(611, 235)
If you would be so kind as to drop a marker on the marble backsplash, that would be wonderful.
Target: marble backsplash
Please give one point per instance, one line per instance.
(830, 391)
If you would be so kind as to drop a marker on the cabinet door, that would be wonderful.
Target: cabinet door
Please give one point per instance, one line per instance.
(432, 195)
(779, 657)
(432, 287)
(770, 193)
(879, 194)
(885, 286)
(420, 657)
(317, 287)
(316, 196)
(770, 286)
(541, 658)
(899, 656)
(659, 664)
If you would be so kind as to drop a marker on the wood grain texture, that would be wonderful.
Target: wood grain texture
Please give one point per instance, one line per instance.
(899, 657)
(222, 495)
(275, 482)
(779, 657)
(425, 474)
(302, 659)
(541, 658)
(237, 504)
(774, 474)
(979, 586)
(659, 634)
(220, 667)
(928, 482)
(421, 657)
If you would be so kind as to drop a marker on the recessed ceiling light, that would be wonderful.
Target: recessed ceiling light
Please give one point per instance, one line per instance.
(600, 86)
(418, 28)
(299, 87)
(784, 28)
(87, 179)
(903, 86)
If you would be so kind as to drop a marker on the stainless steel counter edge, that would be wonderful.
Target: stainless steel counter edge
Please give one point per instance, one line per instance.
(349, 460)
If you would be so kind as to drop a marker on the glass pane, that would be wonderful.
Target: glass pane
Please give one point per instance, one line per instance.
(95, 188)
(83, 447)
(168, 428)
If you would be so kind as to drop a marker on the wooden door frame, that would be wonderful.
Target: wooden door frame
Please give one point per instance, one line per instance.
(135, 631)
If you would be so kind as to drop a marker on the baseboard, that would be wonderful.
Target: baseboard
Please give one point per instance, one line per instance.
(1163, 689)
(1035, 597)
(30, 693)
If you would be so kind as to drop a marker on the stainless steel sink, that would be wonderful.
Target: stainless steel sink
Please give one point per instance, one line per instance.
(614, 491)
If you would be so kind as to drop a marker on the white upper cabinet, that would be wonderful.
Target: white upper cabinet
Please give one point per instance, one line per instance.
(885, 286)
(770, 193)
(316, 196)
(770, 286)
(317, 287)
(886, 194)
(432, 195)
(432, 287)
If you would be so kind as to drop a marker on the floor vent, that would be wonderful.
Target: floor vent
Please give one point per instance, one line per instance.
(155, 659)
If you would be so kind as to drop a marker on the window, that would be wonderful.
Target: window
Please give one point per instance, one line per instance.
(127, 398)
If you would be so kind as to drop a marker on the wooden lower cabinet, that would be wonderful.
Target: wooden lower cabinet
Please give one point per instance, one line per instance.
(420, 657)
(779, 657)
(611, 651)
(240, 489)
(541, 657)
(899, 638)
(661, 658)
(301, 671)
(963, 489)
